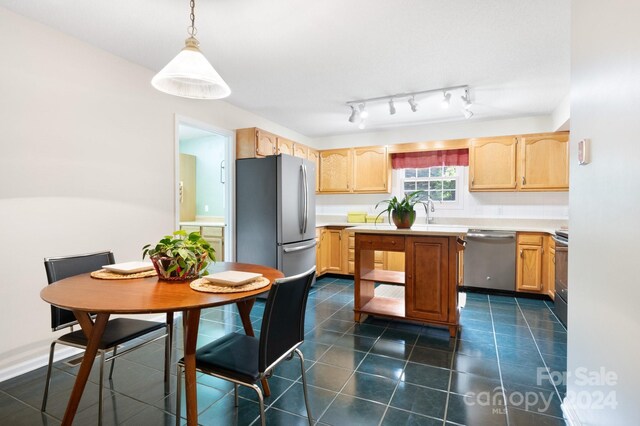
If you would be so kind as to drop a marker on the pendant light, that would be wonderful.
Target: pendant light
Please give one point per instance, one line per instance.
(189, 74)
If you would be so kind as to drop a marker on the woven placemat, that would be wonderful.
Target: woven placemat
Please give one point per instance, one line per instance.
(103, 274)
(202, 284)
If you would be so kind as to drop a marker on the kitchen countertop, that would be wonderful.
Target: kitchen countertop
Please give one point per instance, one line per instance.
(522, 225)
(442, 230)
(198, 223)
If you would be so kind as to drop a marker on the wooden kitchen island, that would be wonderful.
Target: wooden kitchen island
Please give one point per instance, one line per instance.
(429, 277)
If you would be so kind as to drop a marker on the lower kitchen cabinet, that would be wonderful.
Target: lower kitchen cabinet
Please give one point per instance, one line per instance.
(214, 235)
(549, 266)
(529, 261)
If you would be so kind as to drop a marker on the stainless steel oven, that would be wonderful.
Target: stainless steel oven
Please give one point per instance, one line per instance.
(561, 300)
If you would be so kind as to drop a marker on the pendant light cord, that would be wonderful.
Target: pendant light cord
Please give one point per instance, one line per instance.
(192, 29)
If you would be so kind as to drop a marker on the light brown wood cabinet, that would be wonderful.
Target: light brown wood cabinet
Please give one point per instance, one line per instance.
(320, 268)
(300, 150)
(329, 250)
(254, 142)
(335, 170)
(549, 267)
(492, 164)
(355, 170)
(284, 146)
(538, 162)
(544, 162)
(530, 250)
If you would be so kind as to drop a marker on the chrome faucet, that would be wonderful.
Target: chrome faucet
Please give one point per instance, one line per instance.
(430, 208)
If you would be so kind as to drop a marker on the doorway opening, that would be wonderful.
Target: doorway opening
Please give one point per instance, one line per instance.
(204, 174)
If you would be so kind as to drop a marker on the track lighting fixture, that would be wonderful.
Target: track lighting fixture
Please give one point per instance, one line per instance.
(446, 100)
(413, 104)
(359, 107)
(352, 117)
(363, 111)
(466, 99)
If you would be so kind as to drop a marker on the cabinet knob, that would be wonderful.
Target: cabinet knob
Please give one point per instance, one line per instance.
(521, 253)
(524, 181)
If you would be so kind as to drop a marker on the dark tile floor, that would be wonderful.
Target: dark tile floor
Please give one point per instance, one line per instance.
(374, 373)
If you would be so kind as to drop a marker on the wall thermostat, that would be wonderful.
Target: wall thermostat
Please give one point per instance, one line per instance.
(583, 152)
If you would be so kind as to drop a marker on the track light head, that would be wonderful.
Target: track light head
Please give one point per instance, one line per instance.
(446, 100)
(413, 104)
(352, 117)
(363, 111)
(362, 124)
(466, 99)
(467, 113)
(392, 107)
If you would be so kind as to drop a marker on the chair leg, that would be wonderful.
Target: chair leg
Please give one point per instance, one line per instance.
(179, 395)
(100, 389)
(261, 400)
(46, 386)
(113, 362)
(304, 386)
(235, 393)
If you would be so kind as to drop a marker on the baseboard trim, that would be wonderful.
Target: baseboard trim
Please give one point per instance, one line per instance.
(33, 362)
(569, 413)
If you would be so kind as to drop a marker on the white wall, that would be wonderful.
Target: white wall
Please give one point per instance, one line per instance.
(439, 131)
(86, 164)
(604, 313)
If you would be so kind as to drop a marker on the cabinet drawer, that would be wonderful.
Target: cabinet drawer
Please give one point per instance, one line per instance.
(352, 241)
(352, 254)
(381, 242)
(211, 231)
(530, 239)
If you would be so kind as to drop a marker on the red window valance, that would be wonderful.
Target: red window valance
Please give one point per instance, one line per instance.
(421, 160)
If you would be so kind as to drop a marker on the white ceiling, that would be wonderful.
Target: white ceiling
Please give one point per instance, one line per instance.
(298, 62)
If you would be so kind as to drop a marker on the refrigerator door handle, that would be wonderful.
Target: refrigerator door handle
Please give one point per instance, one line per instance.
(306, 198)
(300, 248)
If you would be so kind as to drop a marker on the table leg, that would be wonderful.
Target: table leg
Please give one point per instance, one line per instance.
(190, 322)
(168, 348)
(244, 308)
(93, 332)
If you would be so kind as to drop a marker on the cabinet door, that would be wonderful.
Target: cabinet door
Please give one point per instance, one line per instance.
(544, 162)
(325, 250)
(285, 146)
(187, 189)
(551, 273)
(299, 150)
(371, 169)
(313, 155)
(492, 164)
(265, 143)
(529, 268)
(427, 277)
(334, 259)
(335, 170)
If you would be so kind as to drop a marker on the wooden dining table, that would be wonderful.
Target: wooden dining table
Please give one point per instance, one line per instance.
(86, 296)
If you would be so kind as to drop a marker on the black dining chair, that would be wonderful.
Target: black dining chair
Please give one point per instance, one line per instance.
(119, 331)
(245, 360)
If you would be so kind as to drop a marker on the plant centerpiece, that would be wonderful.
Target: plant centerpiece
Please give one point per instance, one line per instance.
(180, 256)
(402, 212)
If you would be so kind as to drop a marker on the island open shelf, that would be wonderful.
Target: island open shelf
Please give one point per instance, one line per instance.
(429, 277)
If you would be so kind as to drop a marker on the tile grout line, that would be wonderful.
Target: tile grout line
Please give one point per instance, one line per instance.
(453, 357)
(495, 342)
(535, 342)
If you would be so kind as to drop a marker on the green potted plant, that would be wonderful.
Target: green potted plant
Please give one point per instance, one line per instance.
(180, 256)
(402, 212)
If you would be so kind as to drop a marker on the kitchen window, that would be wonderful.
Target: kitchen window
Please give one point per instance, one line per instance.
(440, 183)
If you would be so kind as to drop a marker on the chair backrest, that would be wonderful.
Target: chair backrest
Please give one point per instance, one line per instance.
(283, 321)
(59, 268)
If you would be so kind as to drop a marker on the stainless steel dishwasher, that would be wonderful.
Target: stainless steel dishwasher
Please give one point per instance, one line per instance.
(490, 259)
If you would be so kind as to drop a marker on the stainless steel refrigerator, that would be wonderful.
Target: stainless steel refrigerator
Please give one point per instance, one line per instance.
(276, 213)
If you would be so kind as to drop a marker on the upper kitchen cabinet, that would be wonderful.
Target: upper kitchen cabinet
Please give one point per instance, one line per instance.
(370, 169)
(544, 162)
(300, 150)
(253, 142)
(537, 162)
(492, 164)
(335, 170)
(314, 156)
(284, 146)
(355, 170)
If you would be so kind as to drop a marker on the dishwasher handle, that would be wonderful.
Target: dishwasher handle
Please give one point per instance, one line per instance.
(491, 235)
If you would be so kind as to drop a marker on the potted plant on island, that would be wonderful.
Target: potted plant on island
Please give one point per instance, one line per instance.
(180, 256)
(402, 211)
